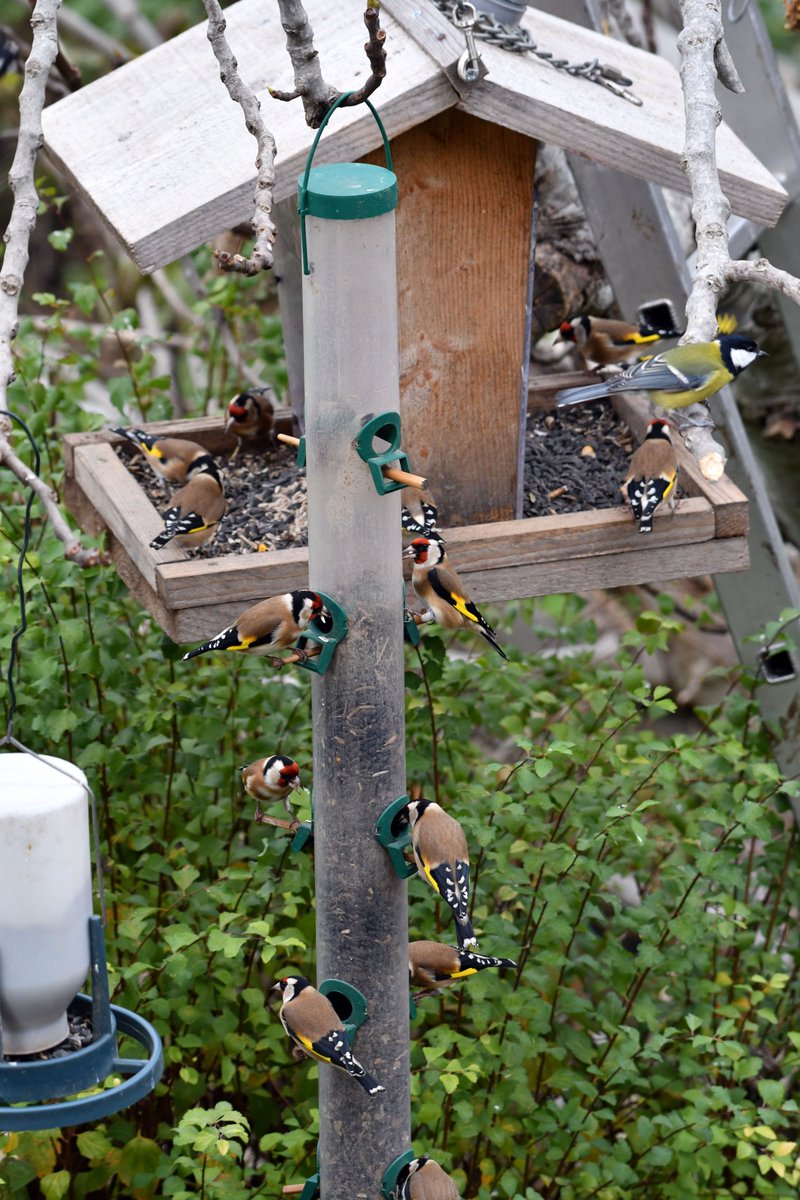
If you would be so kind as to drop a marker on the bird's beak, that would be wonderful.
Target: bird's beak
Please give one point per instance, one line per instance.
(409, 552)
(763, 354)
(276, 987)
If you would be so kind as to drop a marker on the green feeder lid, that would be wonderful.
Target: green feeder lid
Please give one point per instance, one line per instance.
(347, 191)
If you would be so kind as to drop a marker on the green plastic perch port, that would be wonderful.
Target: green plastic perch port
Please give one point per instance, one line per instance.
(395, 837)
(327, 632)
(349, 1002)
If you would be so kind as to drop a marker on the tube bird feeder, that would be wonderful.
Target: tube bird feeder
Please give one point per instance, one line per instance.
(355, 554)
(49, 943)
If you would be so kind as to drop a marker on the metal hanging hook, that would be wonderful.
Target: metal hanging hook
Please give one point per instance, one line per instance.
(469, 64)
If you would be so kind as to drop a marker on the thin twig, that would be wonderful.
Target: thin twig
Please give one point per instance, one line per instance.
(704, 59)
(23, 219)
(317, 95)
(241, 94)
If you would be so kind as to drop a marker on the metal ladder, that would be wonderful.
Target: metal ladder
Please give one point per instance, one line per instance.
(619, 208)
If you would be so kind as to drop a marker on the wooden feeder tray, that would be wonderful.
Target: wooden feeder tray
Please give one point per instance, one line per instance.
(193, 598)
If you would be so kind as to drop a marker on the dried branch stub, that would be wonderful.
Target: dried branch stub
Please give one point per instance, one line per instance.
(310, 85)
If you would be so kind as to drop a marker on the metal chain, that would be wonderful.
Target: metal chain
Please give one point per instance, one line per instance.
(519, 41)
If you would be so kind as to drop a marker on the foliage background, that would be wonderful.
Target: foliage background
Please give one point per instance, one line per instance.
(638, 1051)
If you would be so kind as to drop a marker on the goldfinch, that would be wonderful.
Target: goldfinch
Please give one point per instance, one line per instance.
(251, 415)
(171, 459)
(272, 624)
(652, 476)
(438, 587)
(196, 509)
(269, 779)
(433, 966)
(677, 377)
(311, 1021)
(442, 858)
(419, 513)
(424, 1179)
(602, 342)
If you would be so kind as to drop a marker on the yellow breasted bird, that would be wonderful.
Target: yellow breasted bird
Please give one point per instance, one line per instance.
(272, 624)
(602, 342)
(442, 858)
(251, 415)
(424, 1179)
(312, 1022)
(439, 588)
(677, 377)
(196, 509)
(652, 475)
(433, 966)
(171, 459)
(269, 779)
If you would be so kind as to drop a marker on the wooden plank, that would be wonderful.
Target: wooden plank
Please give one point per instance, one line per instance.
(521, 92)
(162, 153)
(239, 578)
(160, 150)
(462, 335)
(609, 570)
(123, 506)
(473, 549)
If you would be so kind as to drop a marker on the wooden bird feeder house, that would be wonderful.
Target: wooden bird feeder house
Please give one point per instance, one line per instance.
(158, 148)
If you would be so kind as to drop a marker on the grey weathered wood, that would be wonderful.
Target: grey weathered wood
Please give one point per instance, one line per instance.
(193, 598)
(523, 93)
(161, 152)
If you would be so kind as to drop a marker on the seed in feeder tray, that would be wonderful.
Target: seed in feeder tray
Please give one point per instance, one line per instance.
(588, 452)
(556, 492)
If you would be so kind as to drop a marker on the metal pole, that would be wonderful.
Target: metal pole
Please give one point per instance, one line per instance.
(355, 555)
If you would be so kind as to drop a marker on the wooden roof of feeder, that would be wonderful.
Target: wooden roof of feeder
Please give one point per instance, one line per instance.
(159, 149)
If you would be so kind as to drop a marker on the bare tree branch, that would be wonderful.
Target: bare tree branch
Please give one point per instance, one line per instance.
(704, 59)
(17, 237)
(240, 93)
(317, 95)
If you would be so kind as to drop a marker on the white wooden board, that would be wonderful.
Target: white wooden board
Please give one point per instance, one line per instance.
(159, 149)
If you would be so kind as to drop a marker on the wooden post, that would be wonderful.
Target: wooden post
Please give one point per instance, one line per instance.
(355, 556)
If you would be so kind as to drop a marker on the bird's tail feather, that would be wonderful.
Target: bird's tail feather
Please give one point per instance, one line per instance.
(581, 395)
(370, 1084)
(488, 634)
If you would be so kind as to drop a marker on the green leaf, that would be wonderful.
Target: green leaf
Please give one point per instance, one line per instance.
(56, 1185)
(94, 1144)
(139, 1159)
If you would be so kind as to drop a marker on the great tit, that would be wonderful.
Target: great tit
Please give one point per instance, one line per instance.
(678, 377)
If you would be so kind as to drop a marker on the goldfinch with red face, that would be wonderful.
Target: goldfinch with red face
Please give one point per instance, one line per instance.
(312, 1022)
(433, 966)
(442, 858)
(678, 377)
(270, 779)
(439, 588)
(196, 509)
(424, 1179)
(251, 415)
(602, 342)
(652, 476)
(171, 459)
(271, 625)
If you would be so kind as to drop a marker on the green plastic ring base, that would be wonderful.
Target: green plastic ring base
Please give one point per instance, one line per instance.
(327, 638)
(395, 843)
(349, 1002)
(389, 1180)
(411, 632)
(385, 426)
(304, 834)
